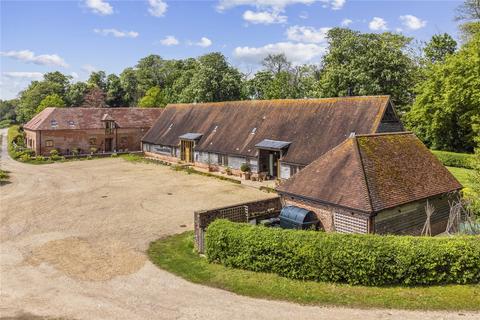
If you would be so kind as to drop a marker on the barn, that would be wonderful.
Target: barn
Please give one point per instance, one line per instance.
(375, 183)
(85, 129)
(275, 138)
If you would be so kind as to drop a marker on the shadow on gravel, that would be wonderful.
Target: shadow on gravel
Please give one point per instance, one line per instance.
(29, 316)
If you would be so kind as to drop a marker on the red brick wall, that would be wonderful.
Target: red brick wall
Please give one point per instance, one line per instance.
(67, 140)
(324, 214)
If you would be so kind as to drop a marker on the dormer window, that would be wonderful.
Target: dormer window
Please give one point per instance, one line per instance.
(54, 123)
(71, 123)
(109, 126)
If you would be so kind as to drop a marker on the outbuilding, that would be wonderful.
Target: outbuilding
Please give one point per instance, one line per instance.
(86, 129)
(274, 138)
(375, 183)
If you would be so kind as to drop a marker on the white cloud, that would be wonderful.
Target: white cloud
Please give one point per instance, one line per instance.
(116, 33)
(378, 24)
(303, 15)
(29, 56)
(88, 68)
(169, 41)
(412, 22)
(278, 5)
(157, 8)
(264, 17)
(337, 4)
(100, 7)
(307, 34)
(297, 53)
(204, 42)
(74, 75)
(346, 22)
(23, 75)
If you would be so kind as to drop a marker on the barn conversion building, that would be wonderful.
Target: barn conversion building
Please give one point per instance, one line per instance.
(377, 183)
(86, 129)
(275, 138)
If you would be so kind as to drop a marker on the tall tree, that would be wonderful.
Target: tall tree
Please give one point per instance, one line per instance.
(368, 64)
(150, 73)
(439, 47)
(213, 80)
(276, 63)
(98, 79)
(8, 109)
(30, 98)
(115, 94)
(446, 111)
(52, 100)
(129, 83)
(75, 94)
(469, 14)
(154, 98)
(94, 98)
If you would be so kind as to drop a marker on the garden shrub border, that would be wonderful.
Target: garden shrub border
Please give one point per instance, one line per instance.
(454, 159)
(370, 260)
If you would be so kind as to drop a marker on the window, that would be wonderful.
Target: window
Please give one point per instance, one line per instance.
(92, 141)
(71, 123)
(54, 123)
(109, 126)
(49, 143)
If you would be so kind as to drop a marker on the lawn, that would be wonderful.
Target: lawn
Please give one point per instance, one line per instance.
(176, 254)
(462, 175)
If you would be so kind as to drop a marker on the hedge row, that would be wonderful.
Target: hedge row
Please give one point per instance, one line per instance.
(354, 259)
(453, 159)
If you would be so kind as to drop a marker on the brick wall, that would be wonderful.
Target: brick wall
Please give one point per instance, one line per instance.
(67, 140)
(324, 214)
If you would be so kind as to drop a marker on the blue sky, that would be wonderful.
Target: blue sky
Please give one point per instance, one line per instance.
(77, 36)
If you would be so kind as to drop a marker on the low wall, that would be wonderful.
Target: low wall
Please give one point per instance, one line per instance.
(243, 212)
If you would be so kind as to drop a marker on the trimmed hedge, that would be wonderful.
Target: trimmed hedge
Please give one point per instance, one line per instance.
(354, 259)
(454, 159)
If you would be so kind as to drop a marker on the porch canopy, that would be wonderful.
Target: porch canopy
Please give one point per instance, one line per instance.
(273, 145)
(190, 136)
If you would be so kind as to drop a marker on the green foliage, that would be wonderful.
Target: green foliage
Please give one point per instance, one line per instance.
(75, 94)
(98, 79)
(446, 112)
(455, 159)
(115, 93)
(368, 64)
(176, 255)
(474, 180)
(439, 47)
(53, 100)
(4, 176)
(30, 98)
(7, 112)
(154, 98)
(354, 259)
(245, 167)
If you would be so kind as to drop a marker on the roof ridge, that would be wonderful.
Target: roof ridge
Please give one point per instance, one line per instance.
(364, 174)
(280, 100)
(378, 134)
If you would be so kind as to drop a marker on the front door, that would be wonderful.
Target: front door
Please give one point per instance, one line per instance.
(108, 144)
(268, 162)
(186, 150)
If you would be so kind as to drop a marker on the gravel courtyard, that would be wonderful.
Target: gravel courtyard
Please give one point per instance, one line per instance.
(73, 238)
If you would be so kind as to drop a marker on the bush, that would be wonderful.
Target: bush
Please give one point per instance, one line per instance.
(25, 157)
(245, 167)
(354, 259)
(453, 159)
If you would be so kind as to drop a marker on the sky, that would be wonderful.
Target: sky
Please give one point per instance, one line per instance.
(77, 37)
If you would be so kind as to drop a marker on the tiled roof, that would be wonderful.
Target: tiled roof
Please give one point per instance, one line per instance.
(371, 173)
(313, 126)
(91, 118)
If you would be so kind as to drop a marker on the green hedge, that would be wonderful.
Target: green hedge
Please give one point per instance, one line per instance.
(354, 259)
(453, 159)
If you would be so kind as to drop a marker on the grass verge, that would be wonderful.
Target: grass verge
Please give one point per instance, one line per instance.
(176, 255)
(462, 175)
(136, 158)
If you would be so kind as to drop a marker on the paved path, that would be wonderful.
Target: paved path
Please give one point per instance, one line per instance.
(73, 237)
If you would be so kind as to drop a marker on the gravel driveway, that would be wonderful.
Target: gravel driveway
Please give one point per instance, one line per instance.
(73, 237)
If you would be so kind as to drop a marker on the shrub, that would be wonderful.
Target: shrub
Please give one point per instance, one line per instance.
(53, 152)
(40, 158)
(453, 159)
(93, 150)
(25, 157)
(75, 152)
(354, 259)
(245, 167)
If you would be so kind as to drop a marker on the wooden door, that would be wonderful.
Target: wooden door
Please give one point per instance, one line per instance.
(108, 144)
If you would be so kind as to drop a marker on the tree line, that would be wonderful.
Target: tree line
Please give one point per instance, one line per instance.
(435, 86)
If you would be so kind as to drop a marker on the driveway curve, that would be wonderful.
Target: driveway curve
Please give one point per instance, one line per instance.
(73, 238)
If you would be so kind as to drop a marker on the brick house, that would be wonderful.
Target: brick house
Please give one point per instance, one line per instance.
(377, 183)
(85, 129)
(276, 138)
